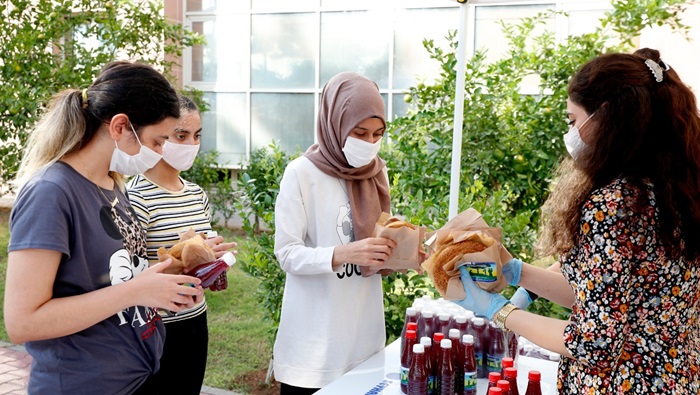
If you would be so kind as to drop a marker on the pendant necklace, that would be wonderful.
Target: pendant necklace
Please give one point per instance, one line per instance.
(112, 203)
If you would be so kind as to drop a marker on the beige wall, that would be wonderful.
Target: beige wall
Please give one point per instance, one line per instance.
(679, 53)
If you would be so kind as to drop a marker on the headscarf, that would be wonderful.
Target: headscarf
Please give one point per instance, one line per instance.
(348, 99)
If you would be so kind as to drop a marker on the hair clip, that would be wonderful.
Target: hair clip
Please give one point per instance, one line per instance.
(657, 69)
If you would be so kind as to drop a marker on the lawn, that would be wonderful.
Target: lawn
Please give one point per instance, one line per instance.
(239, 345)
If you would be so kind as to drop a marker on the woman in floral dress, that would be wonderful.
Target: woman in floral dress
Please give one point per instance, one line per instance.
(624, 219)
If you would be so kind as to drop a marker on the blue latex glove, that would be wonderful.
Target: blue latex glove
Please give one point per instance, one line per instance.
(481, 302)
(511, 271)
(521, 298)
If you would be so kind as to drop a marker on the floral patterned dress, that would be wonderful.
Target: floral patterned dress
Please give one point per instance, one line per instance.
(634, 323)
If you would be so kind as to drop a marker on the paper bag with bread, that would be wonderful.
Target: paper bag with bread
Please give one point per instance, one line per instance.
(466, 240)
(190, 252)
(408, 238)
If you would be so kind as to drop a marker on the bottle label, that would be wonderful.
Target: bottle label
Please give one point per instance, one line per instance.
(431, 384)
(484, 272)
(470, 382)
(493, 363)
(404, 375)
(479, 358)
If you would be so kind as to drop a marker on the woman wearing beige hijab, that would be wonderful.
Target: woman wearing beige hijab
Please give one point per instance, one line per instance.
(330, 198)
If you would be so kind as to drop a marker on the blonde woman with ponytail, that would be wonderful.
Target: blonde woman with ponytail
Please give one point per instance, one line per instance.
(79, 291)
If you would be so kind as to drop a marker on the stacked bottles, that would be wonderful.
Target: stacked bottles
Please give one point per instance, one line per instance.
(506, 362)
(469, 386)
(418, 373)
(446, 384)
(406, 358)
(533, 383)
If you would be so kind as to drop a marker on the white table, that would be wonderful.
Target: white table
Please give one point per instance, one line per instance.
(380, 375)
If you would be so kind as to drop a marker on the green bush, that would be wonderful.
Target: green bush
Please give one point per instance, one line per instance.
(48, 46)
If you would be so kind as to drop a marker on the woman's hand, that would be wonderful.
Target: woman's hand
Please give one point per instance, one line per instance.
(174, 292)
(481, 302)
(372, 251)
(220, 248)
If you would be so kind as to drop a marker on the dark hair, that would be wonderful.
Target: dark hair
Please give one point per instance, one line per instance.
(188, 104)
(644, 129)
(135, 89)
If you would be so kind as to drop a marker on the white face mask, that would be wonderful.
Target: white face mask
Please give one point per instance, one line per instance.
(130, 165)
(180, 156)
(574, 144)
(359, 152)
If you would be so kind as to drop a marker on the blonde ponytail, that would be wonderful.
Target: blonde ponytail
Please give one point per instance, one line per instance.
(59, 132)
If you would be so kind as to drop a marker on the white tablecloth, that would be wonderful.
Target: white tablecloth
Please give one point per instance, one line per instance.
(380, 375)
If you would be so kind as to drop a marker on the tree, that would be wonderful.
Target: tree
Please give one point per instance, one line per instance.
(48, 46)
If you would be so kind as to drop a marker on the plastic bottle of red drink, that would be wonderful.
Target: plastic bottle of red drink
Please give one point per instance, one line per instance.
(533, 383)
(457, 358)
(208, 272)
(461, 323)
(417, 373)
(447, 374)
(426, 323)
(444, 324)
(495, 391)
(504, 385)
(493, 379)
(506, 362)
(406, 358)
(511, 375)
(427, 347)
(512, 340)
(437, 338)
(411, 316)
(469, 386)
(479, 333)
(496, 350)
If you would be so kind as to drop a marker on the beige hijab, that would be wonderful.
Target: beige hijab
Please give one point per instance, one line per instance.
(348, 99)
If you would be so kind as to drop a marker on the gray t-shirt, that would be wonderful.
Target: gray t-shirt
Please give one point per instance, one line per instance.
(60, 210)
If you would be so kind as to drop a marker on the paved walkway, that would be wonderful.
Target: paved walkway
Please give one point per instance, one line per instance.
(15, 364)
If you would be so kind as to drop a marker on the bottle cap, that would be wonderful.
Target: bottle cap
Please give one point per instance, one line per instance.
(460, 319)
(504, 385)
(511, 372)
(534, 375)
(427, 298)
(468, 339)
(410, 334)
(438, 336)
(229, 258)
(453, 333)
(426, 341)
(494, 376)
(469, 314)
(445, 343)
(427, 314)
(495, 391)
(412, 326)
(507, 362)
(478, 321)
(418, 349)
(212, 234)
(444, 317)
(410, 311)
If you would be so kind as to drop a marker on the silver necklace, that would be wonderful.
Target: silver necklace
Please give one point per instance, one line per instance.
(112, 203)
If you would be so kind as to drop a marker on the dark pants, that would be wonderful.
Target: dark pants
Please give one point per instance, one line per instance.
(184, 359)
(286, 389)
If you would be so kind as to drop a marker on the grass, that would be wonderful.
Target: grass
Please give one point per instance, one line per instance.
(239, 339)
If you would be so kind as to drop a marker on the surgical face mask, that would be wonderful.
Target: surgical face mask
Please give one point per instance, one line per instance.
(359, 152)
(180, 156)
(574, 144)
(130, 165)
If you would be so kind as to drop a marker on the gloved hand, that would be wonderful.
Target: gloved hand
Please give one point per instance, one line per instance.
(477, 300)
(521, 298)
(511, 271)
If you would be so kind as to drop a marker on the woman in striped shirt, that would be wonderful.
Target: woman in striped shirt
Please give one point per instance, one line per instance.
(168, 206)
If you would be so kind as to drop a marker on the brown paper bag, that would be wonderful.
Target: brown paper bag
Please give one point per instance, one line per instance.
(484, 266)
(408, 242)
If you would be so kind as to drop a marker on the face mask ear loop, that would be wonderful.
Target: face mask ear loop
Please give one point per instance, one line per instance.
(586, 121)
(137, 136)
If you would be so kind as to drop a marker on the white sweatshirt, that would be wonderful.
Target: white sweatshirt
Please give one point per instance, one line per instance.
(331, 321)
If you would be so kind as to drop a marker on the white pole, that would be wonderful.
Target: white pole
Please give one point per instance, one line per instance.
(459, 113)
